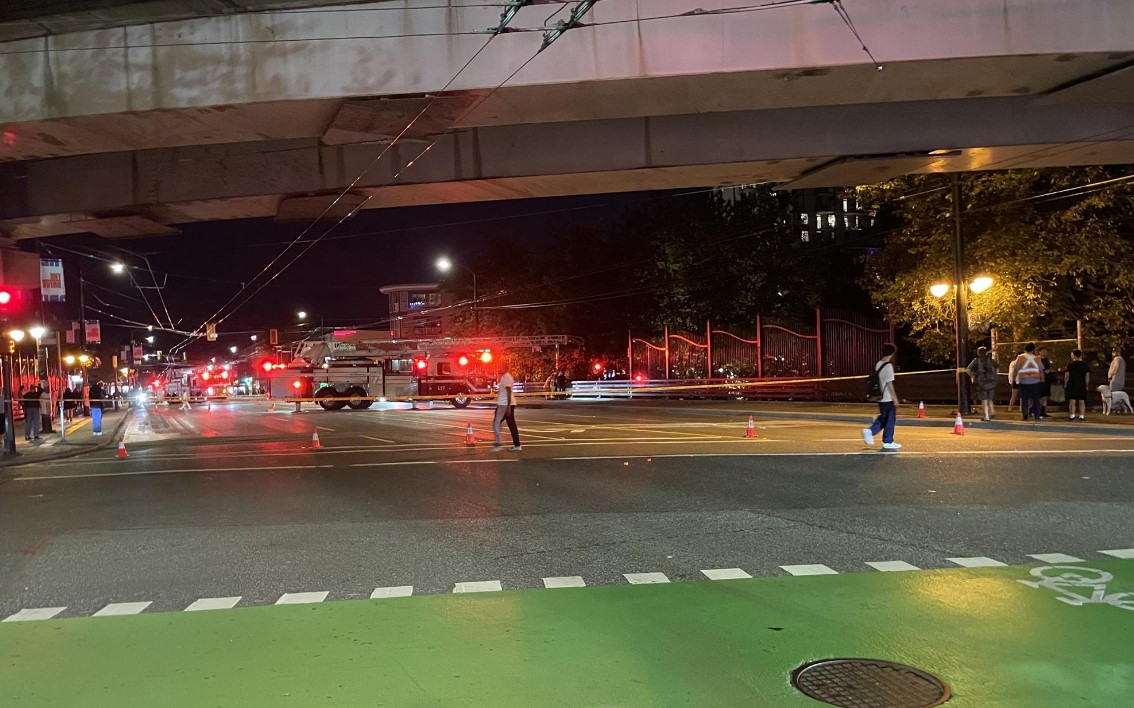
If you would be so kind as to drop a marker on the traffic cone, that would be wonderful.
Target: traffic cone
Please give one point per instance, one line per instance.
(122, 454)
(315, 444)
(751, 431)
(470, 438)
(959, 425)
(921, 409)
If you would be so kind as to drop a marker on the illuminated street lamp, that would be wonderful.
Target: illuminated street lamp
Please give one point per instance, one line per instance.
(254, 337)
(232, 349)
(117, 268)
(150, 339)
(16, 335)
(445, 265)
(69, 360)
(961, 326)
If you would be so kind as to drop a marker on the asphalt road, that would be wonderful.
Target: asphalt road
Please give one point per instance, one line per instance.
(233, 502)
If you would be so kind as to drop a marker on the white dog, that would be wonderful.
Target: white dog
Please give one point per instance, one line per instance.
(1114, 401)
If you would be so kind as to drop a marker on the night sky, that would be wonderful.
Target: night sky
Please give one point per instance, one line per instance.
(336, 282)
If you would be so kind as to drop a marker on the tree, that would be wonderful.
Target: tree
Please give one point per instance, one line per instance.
(1059, 244)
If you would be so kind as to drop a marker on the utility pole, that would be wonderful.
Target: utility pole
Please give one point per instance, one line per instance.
(961, 301)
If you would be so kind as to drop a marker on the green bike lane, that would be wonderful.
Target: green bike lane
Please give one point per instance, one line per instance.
(994, 640)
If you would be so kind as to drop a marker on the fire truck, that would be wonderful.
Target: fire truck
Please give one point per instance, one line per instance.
(342, 372)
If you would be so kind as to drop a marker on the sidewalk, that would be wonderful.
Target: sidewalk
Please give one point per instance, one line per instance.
(79, 439)
(941, 416)
(995, 641)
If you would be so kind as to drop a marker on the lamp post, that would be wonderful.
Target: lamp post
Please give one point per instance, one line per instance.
(445, 265)
(961, 329)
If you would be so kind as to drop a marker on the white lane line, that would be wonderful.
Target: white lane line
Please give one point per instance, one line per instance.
(137, 473)
(811, 569)
(115, 609)
(213, 603)
(478, 586)
(725, 574)
(645, 578)
(430, 462)
(37, 613)
(976, 562)
(371, 437)
(568, 581)
(1120, 552)
(323, 427)
(891, 566)
(302, 598)
(1055, 558)
(395, 591)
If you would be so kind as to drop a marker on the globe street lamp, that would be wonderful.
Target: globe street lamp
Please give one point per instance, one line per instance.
(445, 265)
(302, 315)
(961, 327)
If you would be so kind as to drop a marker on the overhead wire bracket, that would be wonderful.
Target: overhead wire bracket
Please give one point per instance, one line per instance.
(575, 20)
(511, 9)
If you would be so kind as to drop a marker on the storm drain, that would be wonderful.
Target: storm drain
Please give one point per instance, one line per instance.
(868, 683)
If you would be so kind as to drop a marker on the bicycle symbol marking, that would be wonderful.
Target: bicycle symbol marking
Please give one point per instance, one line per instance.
(1073, 581)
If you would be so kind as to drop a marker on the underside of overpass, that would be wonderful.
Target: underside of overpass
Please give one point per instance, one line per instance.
(130, 126)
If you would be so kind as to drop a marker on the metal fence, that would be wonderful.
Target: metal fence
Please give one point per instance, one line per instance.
(839, 344)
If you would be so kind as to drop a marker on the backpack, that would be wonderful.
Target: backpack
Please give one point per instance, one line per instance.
(874, 384)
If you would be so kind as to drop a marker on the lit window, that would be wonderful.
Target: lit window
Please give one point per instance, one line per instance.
(805, 218)
(852, 221)
(805, 237)
(846, 206)
(830, 221)
(417, 301)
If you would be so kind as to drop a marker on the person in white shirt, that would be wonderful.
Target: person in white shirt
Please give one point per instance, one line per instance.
(1116, 374)
(887, 406)
(505, 411)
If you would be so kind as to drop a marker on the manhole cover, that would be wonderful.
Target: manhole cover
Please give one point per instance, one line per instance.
(868, 683)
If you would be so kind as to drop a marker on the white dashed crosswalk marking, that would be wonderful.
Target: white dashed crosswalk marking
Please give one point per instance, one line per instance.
(115, 609)
(478, 586)
(1120, 552)
(891, 566)
(810, 569)
(38, 613)
(1055, 558)
(396, 591)
(976, 562)
(645, 578)
(568, 581)
(213, 603)
(725, 574)
(302, 598)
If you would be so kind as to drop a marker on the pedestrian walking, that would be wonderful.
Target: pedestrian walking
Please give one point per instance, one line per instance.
(505, 411)
(98, 396)
(32, 420)
(1116, 374)
(887, 405)
(69, 397)
(549, 386)
(984, 372)
(1029, 376)
(1076, 380)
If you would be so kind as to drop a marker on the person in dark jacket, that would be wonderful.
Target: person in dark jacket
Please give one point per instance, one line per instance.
(98, 396)
(30, 401)
(69, 398)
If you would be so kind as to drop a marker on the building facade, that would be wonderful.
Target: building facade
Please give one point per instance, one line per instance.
(419, 310)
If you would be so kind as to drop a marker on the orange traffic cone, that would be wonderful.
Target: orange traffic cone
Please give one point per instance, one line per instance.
(122, 454)
(921, 409)
(751, 431)
(470, 438)
(315, 444)
(959, 425)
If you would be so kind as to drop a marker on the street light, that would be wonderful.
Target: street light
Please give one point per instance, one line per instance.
(232, 349)
(254, 337)
(445, 265)
(69, 360)
(117, 268)
(150, 339)
(301, 315)
(961, 326)
(16, 335)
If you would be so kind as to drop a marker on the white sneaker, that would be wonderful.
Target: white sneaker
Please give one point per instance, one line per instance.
(497, 448)
(891, 446)
(516, 448)
(868, 436)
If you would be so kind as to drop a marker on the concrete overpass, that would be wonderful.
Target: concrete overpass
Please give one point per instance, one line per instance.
(126, 130)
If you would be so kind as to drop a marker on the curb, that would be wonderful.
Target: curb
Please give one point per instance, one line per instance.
(1093, 428)
(63, 454)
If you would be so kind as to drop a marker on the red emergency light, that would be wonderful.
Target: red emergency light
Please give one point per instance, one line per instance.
(421, 365)
(297, 384)
(205, 376)
(639, 378)
(463, 360)
(266, 366)
(224, 374)
(597, 367)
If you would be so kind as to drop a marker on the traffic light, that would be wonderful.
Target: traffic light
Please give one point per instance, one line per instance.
(14, 302)
(273, 337)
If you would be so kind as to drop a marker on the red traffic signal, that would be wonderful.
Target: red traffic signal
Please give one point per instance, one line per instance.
(14, 301)
(597, 367)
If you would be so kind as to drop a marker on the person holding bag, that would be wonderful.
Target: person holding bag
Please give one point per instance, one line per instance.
(983, 371)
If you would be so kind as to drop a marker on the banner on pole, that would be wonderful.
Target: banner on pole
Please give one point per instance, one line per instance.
(51, 280)
(92, 332)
